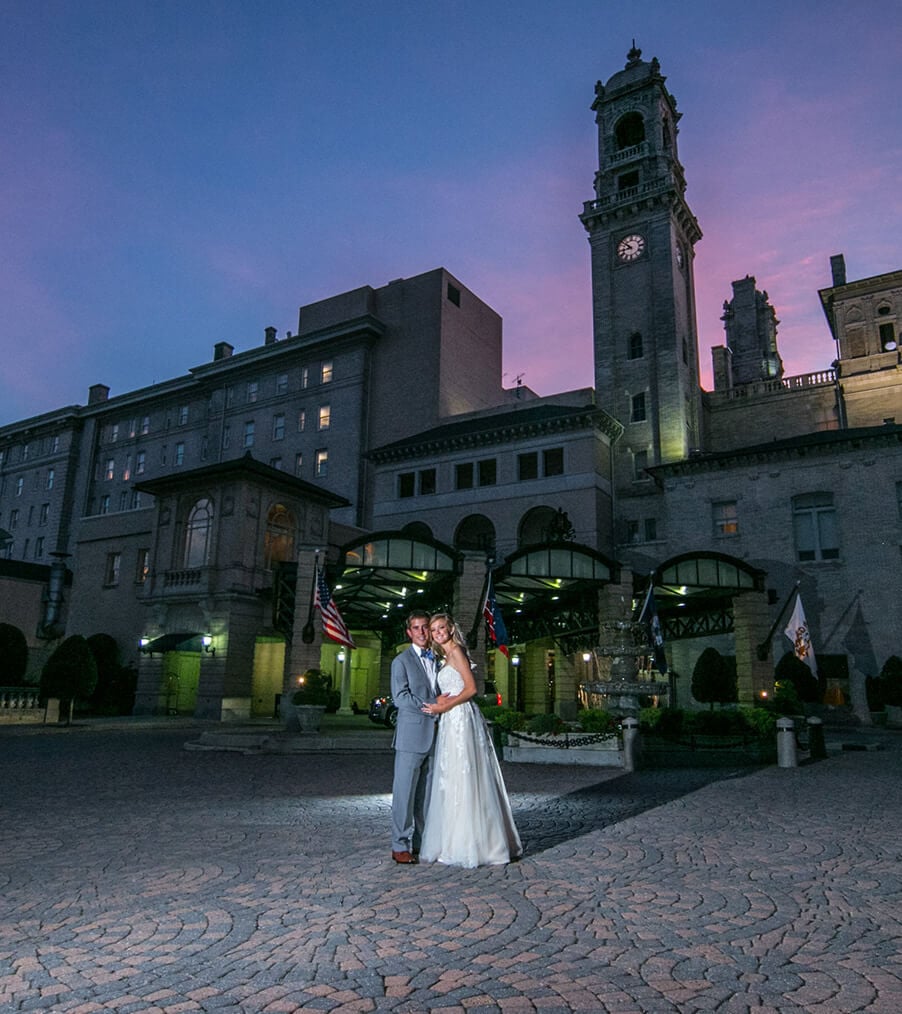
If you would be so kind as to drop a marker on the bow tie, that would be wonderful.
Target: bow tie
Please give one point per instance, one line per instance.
(427, 653)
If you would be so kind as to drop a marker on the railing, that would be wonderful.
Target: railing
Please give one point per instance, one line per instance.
(20, 704)
(628, 194)
(759, 388)
(634, 151)
(182, 578)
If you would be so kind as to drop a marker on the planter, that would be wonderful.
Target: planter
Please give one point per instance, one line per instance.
(567, 748)
(304, 717)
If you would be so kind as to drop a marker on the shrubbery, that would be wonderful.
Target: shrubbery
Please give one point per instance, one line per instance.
(675, 723)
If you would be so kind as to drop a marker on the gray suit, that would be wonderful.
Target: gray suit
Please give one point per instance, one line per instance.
(413, 741)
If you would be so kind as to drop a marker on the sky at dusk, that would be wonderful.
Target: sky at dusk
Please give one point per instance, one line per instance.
(174, 174)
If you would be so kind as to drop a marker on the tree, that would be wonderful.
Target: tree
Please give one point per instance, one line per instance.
(793, 669)
(115, 690)
(14, 653)
(713, 679)
(70, 673)
(891, 680)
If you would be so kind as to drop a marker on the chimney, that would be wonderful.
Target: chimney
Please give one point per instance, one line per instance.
(98, 393)
(270, 338)
(222, 350)
(838, 268)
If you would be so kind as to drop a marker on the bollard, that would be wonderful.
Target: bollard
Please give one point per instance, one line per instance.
(630, 743)
(786, 744)
(816, 745)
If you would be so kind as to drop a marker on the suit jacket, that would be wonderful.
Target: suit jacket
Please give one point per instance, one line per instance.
(411, 688)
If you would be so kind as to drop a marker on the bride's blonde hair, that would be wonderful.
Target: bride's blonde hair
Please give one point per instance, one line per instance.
(456, 636)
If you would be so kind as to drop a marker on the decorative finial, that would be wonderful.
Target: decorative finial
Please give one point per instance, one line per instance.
(634, 55)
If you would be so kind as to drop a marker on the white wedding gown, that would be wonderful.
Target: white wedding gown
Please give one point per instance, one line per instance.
(468, 819)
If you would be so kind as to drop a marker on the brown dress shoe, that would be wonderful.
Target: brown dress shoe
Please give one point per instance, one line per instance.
(403, 857)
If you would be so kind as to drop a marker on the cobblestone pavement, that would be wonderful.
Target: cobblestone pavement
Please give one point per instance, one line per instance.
(137, 876)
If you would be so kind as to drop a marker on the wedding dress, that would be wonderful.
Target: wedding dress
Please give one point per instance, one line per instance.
(468, 820)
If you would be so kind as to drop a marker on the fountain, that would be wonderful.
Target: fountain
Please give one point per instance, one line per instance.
(622, 680)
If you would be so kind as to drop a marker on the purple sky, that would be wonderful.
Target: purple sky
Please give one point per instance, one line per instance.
(175, 174)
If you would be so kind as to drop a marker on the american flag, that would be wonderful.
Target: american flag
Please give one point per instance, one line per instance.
(333, 625)
(495, 623)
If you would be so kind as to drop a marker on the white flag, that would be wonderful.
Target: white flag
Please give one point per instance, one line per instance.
(797, 632)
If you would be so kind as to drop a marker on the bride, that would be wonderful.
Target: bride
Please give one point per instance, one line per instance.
(469, 821)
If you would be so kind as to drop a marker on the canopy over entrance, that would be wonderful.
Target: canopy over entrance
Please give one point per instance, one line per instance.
(551, 590)
(184, 641)
(694, 592)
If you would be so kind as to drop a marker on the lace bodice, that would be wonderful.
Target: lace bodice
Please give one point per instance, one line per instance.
(450, 680)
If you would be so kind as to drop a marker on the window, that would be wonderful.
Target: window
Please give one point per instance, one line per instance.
(249, 433)
(142, 566)
(164, 454)
(278, 539)
(114, 432)
(321, 463)
(640, 463)
(54, 445)
(145, 425)
(253, 389)
(325, 373)
(453, 294)
(39, 547)
(197, 534)
(20, 485)
(632, 531)
(634, 348)
(51, 475)
(305, 377)
(204, 448)
(553, 461)
(13, 519)
(44, 514)
(486, 472)
(887, 338)
(183, 415)
(140, 462)
(111, 571)
(132, 428)
(815, 526)
(302, 420)
(527, 466)
(127, 471)
(123, 499)
(427, 482)
(463, 476)
(726, 520)
(25, 452)
(109, 471)
(275, 463)
(136, 499)
(226, 437)
(31, 515)
(637, 408)
(229, 397)
(325, 417)
(179, 454)
(651, 529)
(406, 485)
(104, 504)
(278, 427)
(282, 383)
(298, 463)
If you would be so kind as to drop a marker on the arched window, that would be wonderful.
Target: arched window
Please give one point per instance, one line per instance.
(278, 539)
(629, 131)
(197, 534)
(475, 532)
(538, 525)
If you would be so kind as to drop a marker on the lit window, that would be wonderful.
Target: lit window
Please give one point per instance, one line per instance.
(321, 467)
(815, 526)
(142, 566)
(325, 375)
(325, 417)
(197, 534)
(132, 427)
(110, 471)
(127, 471)
(278, 427)
(726, 519)
(111, 572)
(249, 434)
(637, 408)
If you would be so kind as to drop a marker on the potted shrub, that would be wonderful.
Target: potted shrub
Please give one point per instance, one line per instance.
(310, 700)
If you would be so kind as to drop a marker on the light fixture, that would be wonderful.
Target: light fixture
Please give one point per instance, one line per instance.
(515, 660)
(207, 642)
(341, 656)
(142, 645)
(587, 656)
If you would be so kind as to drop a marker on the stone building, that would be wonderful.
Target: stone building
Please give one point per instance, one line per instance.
(191, 513)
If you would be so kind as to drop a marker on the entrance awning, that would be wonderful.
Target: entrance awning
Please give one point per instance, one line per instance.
(173, 642)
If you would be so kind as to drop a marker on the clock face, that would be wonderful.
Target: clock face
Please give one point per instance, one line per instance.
(631, 247)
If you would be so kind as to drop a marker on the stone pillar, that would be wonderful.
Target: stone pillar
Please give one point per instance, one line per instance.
(751, 623)
(468, 603)
(301, 656)
(345, 706)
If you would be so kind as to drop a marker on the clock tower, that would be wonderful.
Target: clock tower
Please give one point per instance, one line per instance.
(642, 237)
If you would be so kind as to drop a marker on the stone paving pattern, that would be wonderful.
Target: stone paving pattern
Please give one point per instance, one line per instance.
(137, 876)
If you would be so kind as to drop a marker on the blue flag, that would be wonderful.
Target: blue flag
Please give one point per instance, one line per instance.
(492, 616)
(650, 616)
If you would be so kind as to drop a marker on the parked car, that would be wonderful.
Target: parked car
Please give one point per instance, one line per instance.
(383, 711)
(490, 694)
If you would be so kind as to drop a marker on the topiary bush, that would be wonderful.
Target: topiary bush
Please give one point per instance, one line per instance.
(596, 720)
(70, 673)
(713, 679)
(540, 725)
(13, 655)
(891, 681)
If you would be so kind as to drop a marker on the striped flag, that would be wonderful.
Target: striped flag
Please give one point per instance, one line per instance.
(333, 624)
(492, 615)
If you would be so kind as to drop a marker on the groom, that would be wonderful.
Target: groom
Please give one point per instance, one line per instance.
(412, 686)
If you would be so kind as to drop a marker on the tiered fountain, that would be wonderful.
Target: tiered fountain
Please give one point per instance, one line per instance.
(621, 680)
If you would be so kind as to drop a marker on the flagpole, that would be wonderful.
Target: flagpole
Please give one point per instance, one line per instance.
(764, 647)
